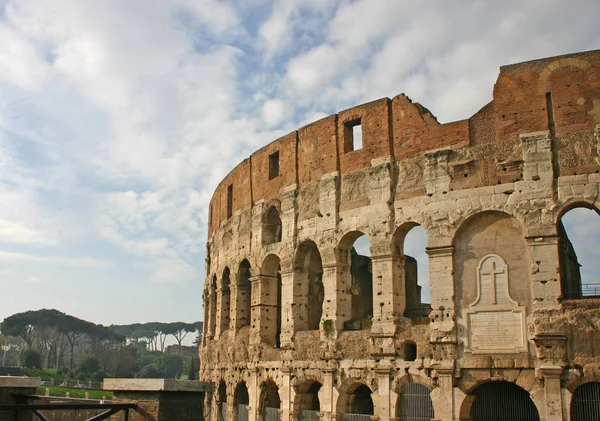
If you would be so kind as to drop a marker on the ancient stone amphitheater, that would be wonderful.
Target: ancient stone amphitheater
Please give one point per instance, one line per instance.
(300, 326)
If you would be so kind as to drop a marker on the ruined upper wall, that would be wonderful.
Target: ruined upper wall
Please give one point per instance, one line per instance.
(553, 94)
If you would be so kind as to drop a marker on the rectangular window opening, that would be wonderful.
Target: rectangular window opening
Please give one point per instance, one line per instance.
(230, 201)
(274, 165)
(353, 139)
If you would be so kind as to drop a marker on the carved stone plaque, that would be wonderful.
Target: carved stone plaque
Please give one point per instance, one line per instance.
(496, 330)
(494, 322)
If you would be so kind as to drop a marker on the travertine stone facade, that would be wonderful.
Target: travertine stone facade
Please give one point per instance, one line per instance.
(287, 323)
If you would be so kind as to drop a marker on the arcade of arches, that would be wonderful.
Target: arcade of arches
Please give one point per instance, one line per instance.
(321, 302)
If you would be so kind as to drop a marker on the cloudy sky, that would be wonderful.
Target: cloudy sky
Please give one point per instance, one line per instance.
(118, 118)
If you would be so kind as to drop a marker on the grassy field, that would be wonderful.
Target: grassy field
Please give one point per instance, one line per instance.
(74, 392)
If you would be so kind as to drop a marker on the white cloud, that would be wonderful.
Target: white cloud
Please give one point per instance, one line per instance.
(8, 256)
(273, 112)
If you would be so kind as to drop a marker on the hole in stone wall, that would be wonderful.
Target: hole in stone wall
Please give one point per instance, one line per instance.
(353, 136)
(410, 351)
(229, 201)
(274, 165)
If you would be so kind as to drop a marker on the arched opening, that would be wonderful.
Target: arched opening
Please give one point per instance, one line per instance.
(411, 245)
(577, 230)
(354, 250)
(225, 303)
(585, 403)
(270, 402)
(244, 295)
(222, 400)
(307, 401)
(308, 280)
(414, 403)
(501, 400)
(241, 400)
(271, 227)
(270, 301)
(356, 404)
(410, 351)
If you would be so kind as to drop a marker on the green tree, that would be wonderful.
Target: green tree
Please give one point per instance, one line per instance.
(31, 358)
(127, 362)
(89, 364)
(151, 372)
(171, 365)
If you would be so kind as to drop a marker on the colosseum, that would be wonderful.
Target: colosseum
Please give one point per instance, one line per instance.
(301, 324)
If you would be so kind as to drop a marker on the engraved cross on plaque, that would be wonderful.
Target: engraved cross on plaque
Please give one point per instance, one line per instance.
(491, 270)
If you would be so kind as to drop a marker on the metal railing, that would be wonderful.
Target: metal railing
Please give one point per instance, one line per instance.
(590, 290)
(308, 415)
(356, 417)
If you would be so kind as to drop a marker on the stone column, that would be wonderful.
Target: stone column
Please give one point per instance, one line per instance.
(442, 396)
(288, 313)
(441, 268)
(389, 299)
(383, 407)
(326, 398)
(545, 271)
(337, 306)
(264, 309)
(212, 313)
(223, 303)
(253, 395)
(240, 316)
(286, 395)
(552, 392)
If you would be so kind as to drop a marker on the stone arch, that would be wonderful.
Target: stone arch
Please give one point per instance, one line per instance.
(241, 401)
(575, 281)
(400, 381)
(411, 274)
(485, 233)
(222, 400)
(270, 312)
(243, 295)
(309, 291)
(307, 396)
(499, 398)
(357, 279)
(414, 402)
(269, 401)
(272, 227)
(355, 398)
(585, 402)
(557, 64)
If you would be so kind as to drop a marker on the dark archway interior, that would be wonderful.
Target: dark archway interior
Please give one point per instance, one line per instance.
(500, 400)
(585, 405)
(241, 395)
(271, 395)
(272, 227)
(362, 403)
(222, 392)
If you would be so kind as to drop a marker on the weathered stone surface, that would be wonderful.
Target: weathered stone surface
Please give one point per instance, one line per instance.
(493, 185)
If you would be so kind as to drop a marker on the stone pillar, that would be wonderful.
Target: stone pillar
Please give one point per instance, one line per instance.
(443, 318)
(299, 304)
(253, 395)
(223, 303)
(288, 312)
(389, 299)
(545, 271)
(212, 313)
(337, 306)
(442, 396)
(286, 395)
(552, 392)
(240, 316)
(384, 404)
(326, 398)
(264, 309)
